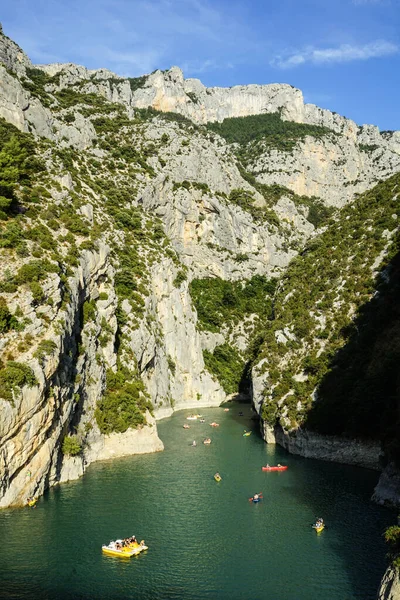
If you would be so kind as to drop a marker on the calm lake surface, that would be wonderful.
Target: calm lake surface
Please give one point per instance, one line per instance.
(206, 540)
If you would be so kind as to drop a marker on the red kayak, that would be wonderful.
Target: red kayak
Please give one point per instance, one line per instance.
(280, 468)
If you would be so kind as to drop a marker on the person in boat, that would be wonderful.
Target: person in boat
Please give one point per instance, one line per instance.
(255, 497)
(217, 475)
(267, 465)
(194, 443)
(278, 465)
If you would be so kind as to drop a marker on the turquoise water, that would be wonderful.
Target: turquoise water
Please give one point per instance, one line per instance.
(206, 540)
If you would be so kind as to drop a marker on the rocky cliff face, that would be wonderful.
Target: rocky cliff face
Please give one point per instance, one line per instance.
(333, 168)
(390, 585)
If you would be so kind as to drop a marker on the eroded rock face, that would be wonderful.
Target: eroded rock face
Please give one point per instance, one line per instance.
(390, 585)
(330, 448)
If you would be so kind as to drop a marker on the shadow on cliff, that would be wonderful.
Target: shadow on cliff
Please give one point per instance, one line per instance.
(359, 396)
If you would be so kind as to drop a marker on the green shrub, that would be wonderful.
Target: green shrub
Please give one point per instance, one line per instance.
(13, 376)
(7, 320)
(38, 295)
(36, 270)
(171, 364)
(392, 538)
(180, 278)
(89, 311)
(71, 446)
(45, 348)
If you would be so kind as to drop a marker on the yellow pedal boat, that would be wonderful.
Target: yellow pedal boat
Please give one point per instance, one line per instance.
(126, 551)
(319, 528)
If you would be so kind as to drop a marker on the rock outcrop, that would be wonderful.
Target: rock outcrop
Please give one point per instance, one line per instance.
(330, 448)
(387, 491)
(390, 585)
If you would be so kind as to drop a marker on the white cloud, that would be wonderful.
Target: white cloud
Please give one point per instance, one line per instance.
(343, 53)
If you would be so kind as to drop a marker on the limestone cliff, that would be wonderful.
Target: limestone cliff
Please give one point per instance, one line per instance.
(390, 585)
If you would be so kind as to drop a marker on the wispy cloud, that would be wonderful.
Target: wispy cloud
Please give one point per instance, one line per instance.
(341, 54)
(361, 2)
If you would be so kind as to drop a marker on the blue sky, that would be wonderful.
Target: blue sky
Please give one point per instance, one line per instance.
(343, 54)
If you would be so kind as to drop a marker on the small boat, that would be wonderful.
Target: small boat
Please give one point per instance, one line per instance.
(186, 426)
(226, 409)
(115, 549)
(213, 424)
(256, 498)
(192, 418)
(193, 444)
(217, 477)
(247, 433)
(277, 468)
(31, 502)
(207, 441)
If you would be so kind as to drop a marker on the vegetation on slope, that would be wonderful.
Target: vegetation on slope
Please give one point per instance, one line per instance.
(124, 402)
(219, 302)
(316, 310)
(268, 127)
(362, 385)
(226, 364)
(224, 305)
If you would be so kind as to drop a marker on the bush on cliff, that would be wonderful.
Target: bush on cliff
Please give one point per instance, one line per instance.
(71, 446)
(7, 320)
(13, 376)
(392, 538)
(124, 403)
(227, 366)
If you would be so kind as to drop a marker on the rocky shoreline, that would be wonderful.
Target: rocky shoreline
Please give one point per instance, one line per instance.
(331, 448)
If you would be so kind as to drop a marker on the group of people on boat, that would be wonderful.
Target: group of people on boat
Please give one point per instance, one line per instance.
(125, 543)
(319, 523)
